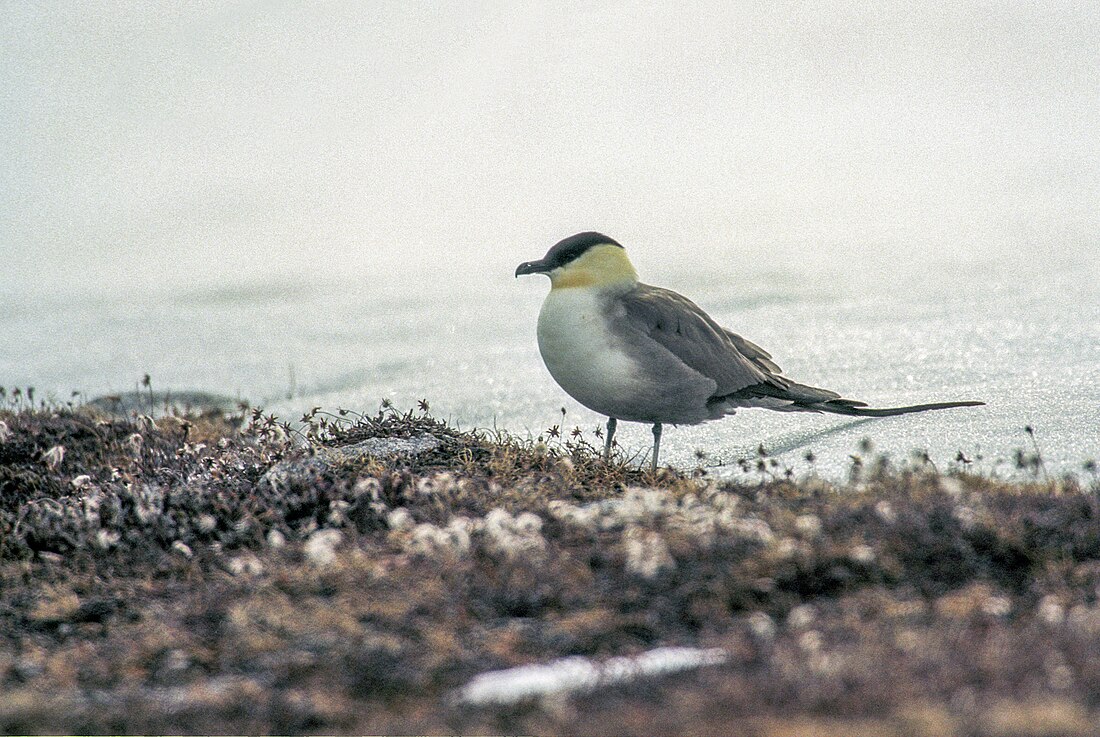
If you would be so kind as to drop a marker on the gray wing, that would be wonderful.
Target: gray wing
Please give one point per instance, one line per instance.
(743, 372)
(690, 334)
(739, 367)
(751, 351)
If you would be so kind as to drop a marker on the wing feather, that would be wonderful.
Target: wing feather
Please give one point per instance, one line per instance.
(692, 336)
(743, 372)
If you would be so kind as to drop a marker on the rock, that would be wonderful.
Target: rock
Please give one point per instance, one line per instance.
(167, 402)
(380, 448)
(305, 470)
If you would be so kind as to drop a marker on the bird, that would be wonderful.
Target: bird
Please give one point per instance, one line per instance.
(640, 353)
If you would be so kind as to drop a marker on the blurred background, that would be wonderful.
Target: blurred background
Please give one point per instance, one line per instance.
(324, 204)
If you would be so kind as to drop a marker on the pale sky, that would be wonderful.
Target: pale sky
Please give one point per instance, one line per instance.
(212, 142)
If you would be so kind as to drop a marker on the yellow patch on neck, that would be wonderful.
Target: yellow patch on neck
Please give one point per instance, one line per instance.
(599, 266)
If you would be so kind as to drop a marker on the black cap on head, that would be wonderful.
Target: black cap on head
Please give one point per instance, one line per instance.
(565, 251)
(572, 247)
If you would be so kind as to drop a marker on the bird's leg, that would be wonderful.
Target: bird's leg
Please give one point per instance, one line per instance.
(612, 423)
(656, 444)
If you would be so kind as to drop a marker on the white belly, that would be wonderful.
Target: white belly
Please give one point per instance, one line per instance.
(582, 356)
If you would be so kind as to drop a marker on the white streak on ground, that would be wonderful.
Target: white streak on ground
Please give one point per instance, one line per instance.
(576, 674)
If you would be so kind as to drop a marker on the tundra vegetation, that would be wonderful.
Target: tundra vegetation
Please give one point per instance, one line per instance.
(191, 572)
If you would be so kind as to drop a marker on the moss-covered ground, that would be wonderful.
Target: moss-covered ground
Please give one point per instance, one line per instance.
(212, 574)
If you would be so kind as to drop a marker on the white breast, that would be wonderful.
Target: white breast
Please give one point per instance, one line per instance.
(582, 355)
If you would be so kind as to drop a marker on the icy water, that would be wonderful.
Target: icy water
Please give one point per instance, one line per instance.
(1025, 338)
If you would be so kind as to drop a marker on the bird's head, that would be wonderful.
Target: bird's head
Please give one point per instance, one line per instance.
(583, 260)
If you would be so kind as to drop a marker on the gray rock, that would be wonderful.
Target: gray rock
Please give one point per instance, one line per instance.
(380, 448)
(307, 469)
(158, 403)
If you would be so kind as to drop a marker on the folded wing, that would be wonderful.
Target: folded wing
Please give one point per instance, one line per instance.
(743, 372)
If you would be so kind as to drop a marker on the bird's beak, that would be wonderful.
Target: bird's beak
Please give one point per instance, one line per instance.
(532, 267)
